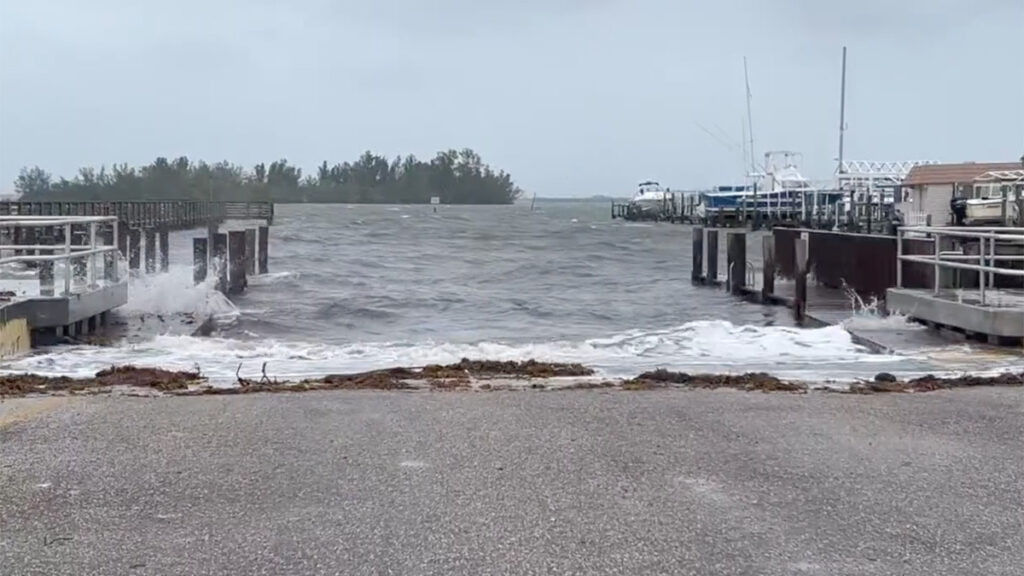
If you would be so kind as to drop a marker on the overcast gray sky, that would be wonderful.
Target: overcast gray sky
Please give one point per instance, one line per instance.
(573, 97)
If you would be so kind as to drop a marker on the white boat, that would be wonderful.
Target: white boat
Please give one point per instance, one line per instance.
(651, 197)
(779, 190)
(985, 205)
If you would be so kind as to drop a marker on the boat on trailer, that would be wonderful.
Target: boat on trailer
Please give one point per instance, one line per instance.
(986, 203)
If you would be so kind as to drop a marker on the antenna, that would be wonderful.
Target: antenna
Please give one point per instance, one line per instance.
(750, 121)
(842, 113)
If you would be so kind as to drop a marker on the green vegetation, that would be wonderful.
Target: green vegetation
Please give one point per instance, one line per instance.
(456, 177)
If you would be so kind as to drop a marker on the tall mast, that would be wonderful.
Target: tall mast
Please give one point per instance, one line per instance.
(750, 121)
(842, 113)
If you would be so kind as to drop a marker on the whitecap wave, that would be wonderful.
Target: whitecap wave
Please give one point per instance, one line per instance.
(273, 278)
(704, 346)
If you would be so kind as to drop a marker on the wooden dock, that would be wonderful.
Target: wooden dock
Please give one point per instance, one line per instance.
(168, 215)
(65, 265)
(822, 276)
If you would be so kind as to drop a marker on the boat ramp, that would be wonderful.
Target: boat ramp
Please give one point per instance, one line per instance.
(64, 266)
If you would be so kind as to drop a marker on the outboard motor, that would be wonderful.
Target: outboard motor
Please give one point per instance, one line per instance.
(958, 206)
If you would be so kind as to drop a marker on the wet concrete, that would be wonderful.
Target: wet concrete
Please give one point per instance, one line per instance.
(667, 481)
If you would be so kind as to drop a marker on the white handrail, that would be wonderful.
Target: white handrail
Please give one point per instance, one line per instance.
(71, 255)
(987, 238)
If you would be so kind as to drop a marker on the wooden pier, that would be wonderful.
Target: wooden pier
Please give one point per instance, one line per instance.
(64, 266)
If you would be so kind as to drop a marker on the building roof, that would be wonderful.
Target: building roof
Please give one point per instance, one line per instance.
(954, 173)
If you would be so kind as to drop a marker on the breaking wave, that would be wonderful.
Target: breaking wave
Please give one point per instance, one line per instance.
(707, 346)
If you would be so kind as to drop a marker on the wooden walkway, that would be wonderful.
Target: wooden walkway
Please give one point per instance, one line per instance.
(166, 215)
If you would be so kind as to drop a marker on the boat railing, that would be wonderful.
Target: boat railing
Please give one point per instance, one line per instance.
(984, 262)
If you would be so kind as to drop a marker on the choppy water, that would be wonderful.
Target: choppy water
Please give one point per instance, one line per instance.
(361, 287)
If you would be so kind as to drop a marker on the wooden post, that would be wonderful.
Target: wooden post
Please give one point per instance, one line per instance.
(200, 255)
(165, 247)
(264, 242)
(150, 251)
(250, 251)
(800, 302)
(134, 248)
(122, 237)
(768, 254)
(236, 262)
(697, 244)
(736, 258)
(46, 286)
(110, 260)
(220, 260)
(712, 243)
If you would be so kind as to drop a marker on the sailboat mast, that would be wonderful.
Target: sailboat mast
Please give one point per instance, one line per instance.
(842, 112)
(750, 117)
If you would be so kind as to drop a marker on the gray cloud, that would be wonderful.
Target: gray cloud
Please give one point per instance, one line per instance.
(573, 98)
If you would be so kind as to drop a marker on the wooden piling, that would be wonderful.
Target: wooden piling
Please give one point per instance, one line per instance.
(150, 251)
(264, 242)
(200, 256)
(711, 241)
(800, 301)
(219, 261)
(768, 257)
(236, 262)
(122, 238)
(250, 252)
(736, 259)
(134, 248)
(165, 250)
(110, 260)
(697, 244)
(46, 283)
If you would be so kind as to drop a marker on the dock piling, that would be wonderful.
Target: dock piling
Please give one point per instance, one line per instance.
(46, 282)
(219, 260)
(712, 245)
(697, 272)
(800, 299)
(736, 258)
(150, 251)
(122, 238)
(165, 253)
(250, 251)
(768, 257)
(200, 256)
(236, 260)
(264, 241)
(134, 248)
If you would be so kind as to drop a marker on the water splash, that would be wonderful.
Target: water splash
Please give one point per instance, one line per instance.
(174, 292)
(872, 315)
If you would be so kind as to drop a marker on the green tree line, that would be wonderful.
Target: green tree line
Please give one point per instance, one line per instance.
(456, 177)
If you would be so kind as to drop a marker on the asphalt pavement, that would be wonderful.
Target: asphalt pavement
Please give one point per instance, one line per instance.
(528, 482)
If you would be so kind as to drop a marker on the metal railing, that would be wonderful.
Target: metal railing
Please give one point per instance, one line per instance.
(988, 238)
(35, 250)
